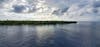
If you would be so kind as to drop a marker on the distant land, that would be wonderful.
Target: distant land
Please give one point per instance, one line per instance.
(34, 22)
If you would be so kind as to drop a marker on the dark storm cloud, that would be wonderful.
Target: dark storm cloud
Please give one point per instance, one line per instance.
(64, 9)
(96, 4)
(95, 11)
(60, 11)
(4, 1)
(19, 8)
(22, 8)
(1, 1)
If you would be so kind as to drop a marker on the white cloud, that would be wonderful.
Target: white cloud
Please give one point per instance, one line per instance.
(78, 10)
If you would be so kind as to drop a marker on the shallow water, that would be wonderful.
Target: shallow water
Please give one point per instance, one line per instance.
(82, 34)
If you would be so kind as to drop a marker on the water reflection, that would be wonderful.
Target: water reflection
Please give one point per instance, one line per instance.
(84, 34)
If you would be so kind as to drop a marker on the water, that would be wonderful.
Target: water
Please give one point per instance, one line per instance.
(82, 34)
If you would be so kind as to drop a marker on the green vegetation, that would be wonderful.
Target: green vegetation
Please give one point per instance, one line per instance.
(34, 22)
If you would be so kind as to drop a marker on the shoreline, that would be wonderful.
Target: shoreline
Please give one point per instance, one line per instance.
(34, 22)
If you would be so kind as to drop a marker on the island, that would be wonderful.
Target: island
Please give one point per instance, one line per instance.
(13, 22)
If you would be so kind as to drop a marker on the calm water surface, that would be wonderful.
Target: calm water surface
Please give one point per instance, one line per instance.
(82, 34)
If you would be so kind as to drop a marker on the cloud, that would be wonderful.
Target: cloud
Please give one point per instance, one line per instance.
(3, 1)
(96, 4)
(19, 9)
(78, 10)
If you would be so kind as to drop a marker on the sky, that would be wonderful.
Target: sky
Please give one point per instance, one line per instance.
(67, 10)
